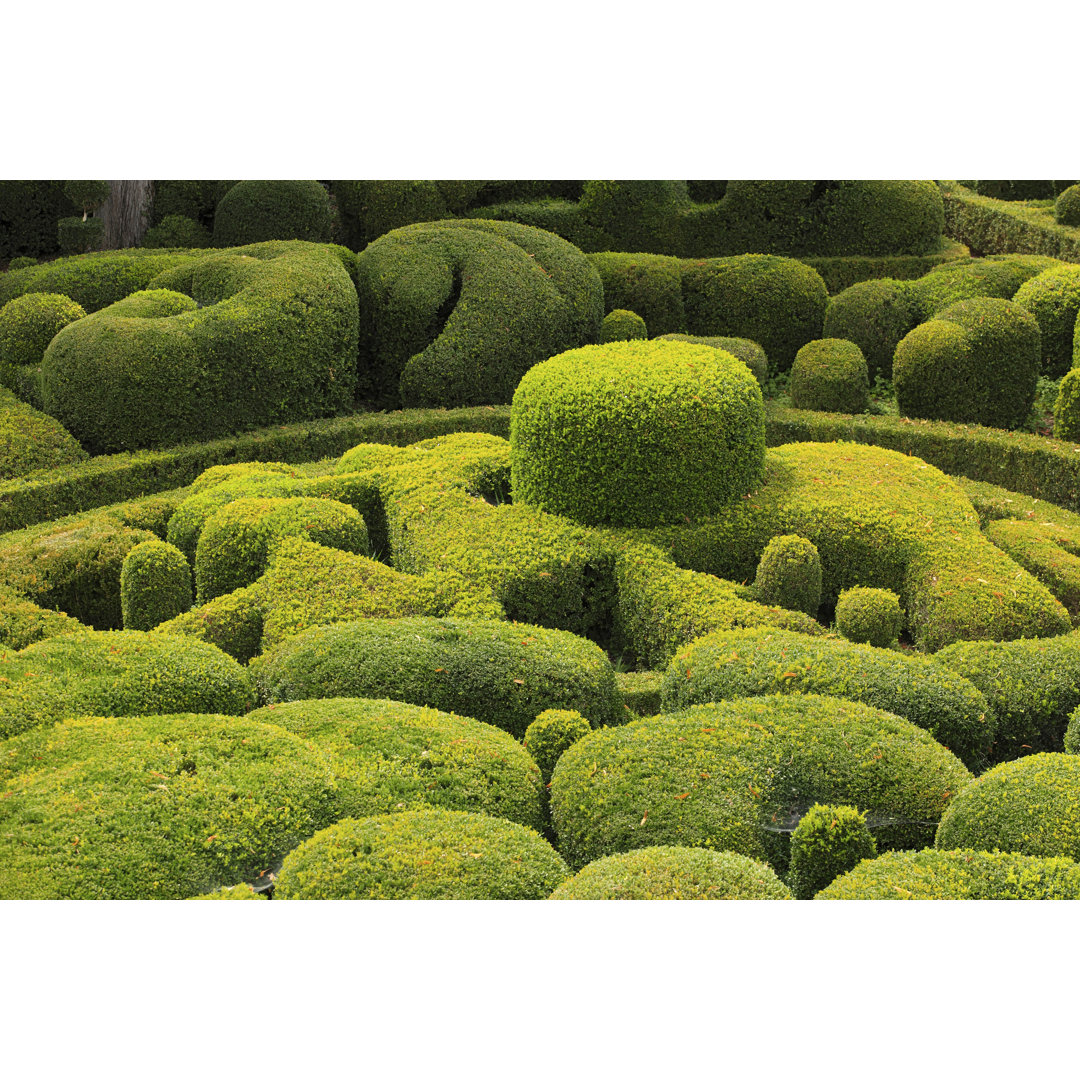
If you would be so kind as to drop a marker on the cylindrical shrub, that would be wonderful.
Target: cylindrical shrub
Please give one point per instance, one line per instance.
(996, 276)
(958, 875)
(1030, 806)
(155, 585)
(1053, 297)
(975, 362)
(504, 674)
(636, 433)
(29, 322)
(674, 873)
(422, 855)
(830, 375)
(551, 734)
(869, 616)
(789, 575)
(1067, 407)
(256, 210)
(875, 315)
(749, 352)
(1067, 206)
(621, 325)
(176, 231)
(827, 842)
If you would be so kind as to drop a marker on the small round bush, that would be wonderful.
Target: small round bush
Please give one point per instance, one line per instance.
(1053, 297)
(21, 262)
(176, 231)
(674, 873)
(869, 616)
(29, 322)
(422, 855)
(155, 585)
(87, 195)
(1067, 206)
(749, 352)
(636, 433)
(789, 575)
(1072, 732)
(830, 375)
(1030, 806)
(621, 325)
(551, 734)
(875, 315)
(256, 210)
(958, 875)
(827, 842)
(1067, 407)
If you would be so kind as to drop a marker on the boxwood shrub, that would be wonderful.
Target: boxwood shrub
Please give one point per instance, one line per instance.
(30, 440)
(650, 285)
(1067, 206)
(749, 352)
(869, 616)
(176, 231)
(830, 375)
(254, 211)
(827, 842)
(1072, 732)
(233, 623)
(155, 585)
(549, 736)
(876, 315)
(1048, 551)
(29, 322)
(621, 325)
(1053, 297)
(789, 574)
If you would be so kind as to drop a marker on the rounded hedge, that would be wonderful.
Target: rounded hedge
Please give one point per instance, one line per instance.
(729, 777)
(29, 322)
(1067, 206)
(957, 875)
(422, 855)
(551, 734)
(176, 231)
(963, 279)
(389, 756)
(674, 873)
(1053, 297)
(21, 262)
(875, 315)
(1067, 407)
(827, 842)
(621, 325)
(155, 585)
(504, 674)
(830, 375)
(636, 433)
(789, 575)
(975, 362)
(869, 616)
(253, 211)
(1030, 806)
(749, 352)
(155, 807)
(747, 663)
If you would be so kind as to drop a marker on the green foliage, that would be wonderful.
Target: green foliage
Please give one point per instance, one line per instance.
(1018, 189)
(674, 873)
(1046, 550)
(789, 575)
(996, 276)
(830, 375)
(29, 322)
(30, 440)
(29, 211)
(958, 875)
(422, 855)
(1030, 806)
(976, 361)
(640, 691)
(875, 315)
(254, 211)
(750, 663)
(636, 433)
(155, 585)
(869, 616)
(87, 195)
(194, 199)
(233, 623)
(622, 325)
(23, 622)
(637, 215)
(651, 285)
(176, 231)
(388, 757)
(749, 352)
(77, 236)
(827, 842)
(726, 776)
(1067, 407)
(1053, 297)
(21, 262)
(1072, 732)
(155, 807)
(501, 673)
(1067, 206)
(551, 734)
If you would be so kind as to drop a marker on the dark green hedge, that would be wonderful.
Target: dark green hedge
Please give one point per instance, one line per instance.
(254, 211)
(29, 211)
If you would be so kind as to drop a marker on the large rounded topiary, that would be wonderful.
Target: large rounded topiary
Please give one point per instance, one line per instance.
(637, 433)
(155, 585)
(1067, 206)
(422, 855)
(256, 210)
(875, 315)
(830, 375)
(29, 322)
(869, 616)
(1053, 297)
(789, 575)
(827, 842)
(674, 873)
(976, 362)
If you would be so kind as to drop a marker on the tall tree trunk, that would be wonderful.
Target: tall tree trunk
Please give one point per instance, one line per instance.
(126, 213)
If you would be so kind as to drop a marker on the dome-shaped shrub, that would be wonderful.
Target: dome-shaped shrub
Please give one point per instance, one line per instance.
(155, 585)
(552, 733)
(975, 362)
(1030, 806)
(674, 873)
(749, 352)
(29, 322)
(1053, 297)
(1067, 206)
(1067, 406)
(997, 276)
(176, 231)
(639, 215)
(789, 575)
(256, 210)
(827, 842)
(958, 875)
(830, 375)
(636, 433)
(621, 325)
(148, 807)
(422, 855)
(875, 315)
(869, 616)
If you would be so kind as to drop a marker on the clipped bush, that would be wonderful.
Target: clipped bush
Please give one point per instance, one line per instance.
(875, 315)
(997, 276)
(254, 211)
(21, 262)
(30, 440)
(638, 215)
(551, 734)
(176, 231)
(231, 892)
(640, 691)
(501, 673)
(1053, 297)
(77, 236)
(674, 873)
(622, 325)
(1067, 407)
(789, 575)
(869, 616)
(977, 361)
(155, 807)
(1030, 806)
(827, 842)
(1067, 206)
(233, 623)
(23, 622)
(749, 352)
(155, 585)
(29, 322)
(1072, 732)
(651, 285)
(636, 433)
(422, 855)
(389, 756)
(830, 375)
(958, 875)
